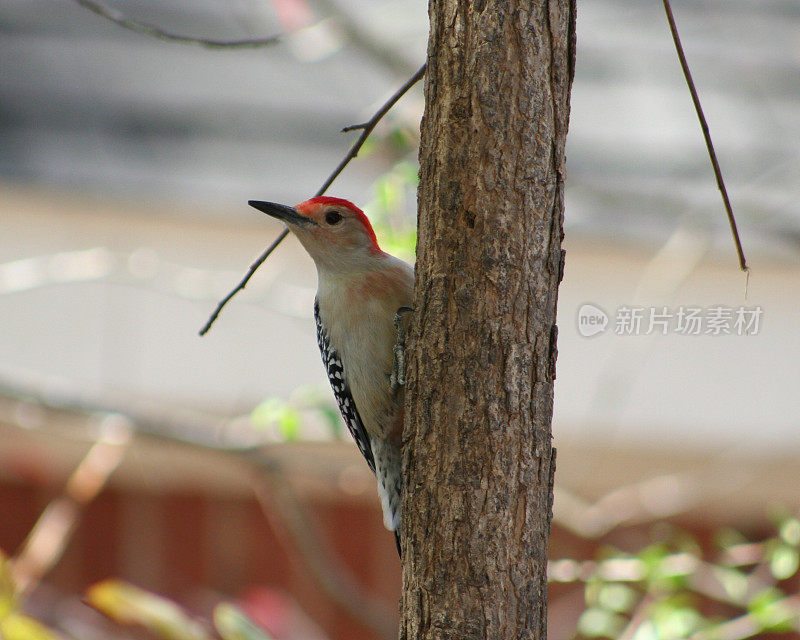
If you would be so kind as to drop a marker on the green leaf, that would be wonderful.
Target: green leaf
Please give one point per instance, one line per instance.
(8, 596)
(387, 193)
(653, 555)
(617, 597)
(599, 623)
(386, 210)
(675, 619)
(277, 412)
(646, 631)
(591, 592)
(783, 562)
(408, 173)
(267, 413)
(16, 626)
(733, 581)
(764, 598)
(368, 147)
(729, 537)
(400, 140)
(771, 612)
(289, 424)
(666, 571)
(789, 531)
(129, 605)
(332, 419)
(233, 624)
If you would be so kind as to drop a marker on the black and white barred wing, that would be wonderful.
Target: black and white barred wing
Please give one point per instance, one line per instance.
(341, 391)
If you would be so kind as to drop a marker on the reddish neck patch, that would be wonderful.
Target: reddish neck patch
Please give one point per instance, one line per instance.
(359, 214)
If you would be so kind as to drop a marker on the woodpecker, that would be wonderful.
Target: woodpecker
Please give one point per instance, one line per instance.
(361, 295)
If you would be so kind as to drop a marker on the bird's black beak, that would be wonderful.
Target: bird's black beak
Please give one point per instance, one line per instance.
(281, 212)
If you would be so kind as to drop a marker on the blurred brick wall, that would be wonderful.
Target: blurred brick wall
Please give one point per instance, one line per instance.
(184, 545)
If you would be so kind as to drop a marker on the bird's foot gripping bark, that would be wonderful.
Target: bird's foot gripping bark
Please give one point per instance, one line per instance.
(398, 377)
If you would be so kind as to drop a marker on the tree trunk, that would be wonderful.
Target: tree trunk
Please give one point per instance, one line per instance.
(481, 359)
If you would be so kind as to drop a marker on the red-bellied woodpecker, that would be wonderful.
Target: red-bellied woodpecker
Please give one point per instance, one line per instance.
(361, 290)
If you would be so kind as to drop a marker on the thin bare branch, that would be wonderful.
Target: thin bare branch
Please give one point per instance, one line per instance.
(707, 135)
(639, 617)
(355, 127)
(367, 128)
(281, 506)
(705, 579)
(50, 535)
(627, 505)
(123, 21)
(243, 283)
(365, 39)
(785, 611)
(302, 538)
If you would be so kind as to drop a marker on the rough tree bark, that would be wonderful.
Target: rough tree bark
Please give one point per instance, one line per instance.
(482, 348)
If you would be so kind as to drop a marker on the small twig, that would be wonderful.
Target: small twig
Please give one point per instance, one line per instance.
(243, 283)
(369, 126)
(639, 617)
(355, 127)
(156, 32)
(709, 144)
(367, 130)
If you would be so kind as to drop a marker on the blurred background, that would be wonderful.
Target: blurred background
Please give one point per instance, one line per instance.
(216, 468)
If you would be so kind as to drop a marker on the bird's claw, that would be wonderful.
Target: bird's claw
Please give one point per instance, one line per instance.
(398, 377)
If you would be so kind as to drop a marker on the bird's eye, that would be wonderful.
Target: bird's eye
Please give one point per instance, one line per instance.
(333, 217)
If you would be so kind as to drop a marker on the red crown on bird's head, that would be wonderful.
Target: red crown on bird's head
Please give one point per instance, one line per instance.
(303, 208)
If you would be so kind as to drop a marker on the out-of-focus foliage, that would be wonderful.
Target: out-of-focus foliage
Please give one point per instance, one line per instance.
(164, 619)
(674, 589)
(7, 595)
(394, 202)
(287, 417)
(15, 625)
(280, 414)
(394, 197)
(129, 605)
(232, 624)
(18, 626)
